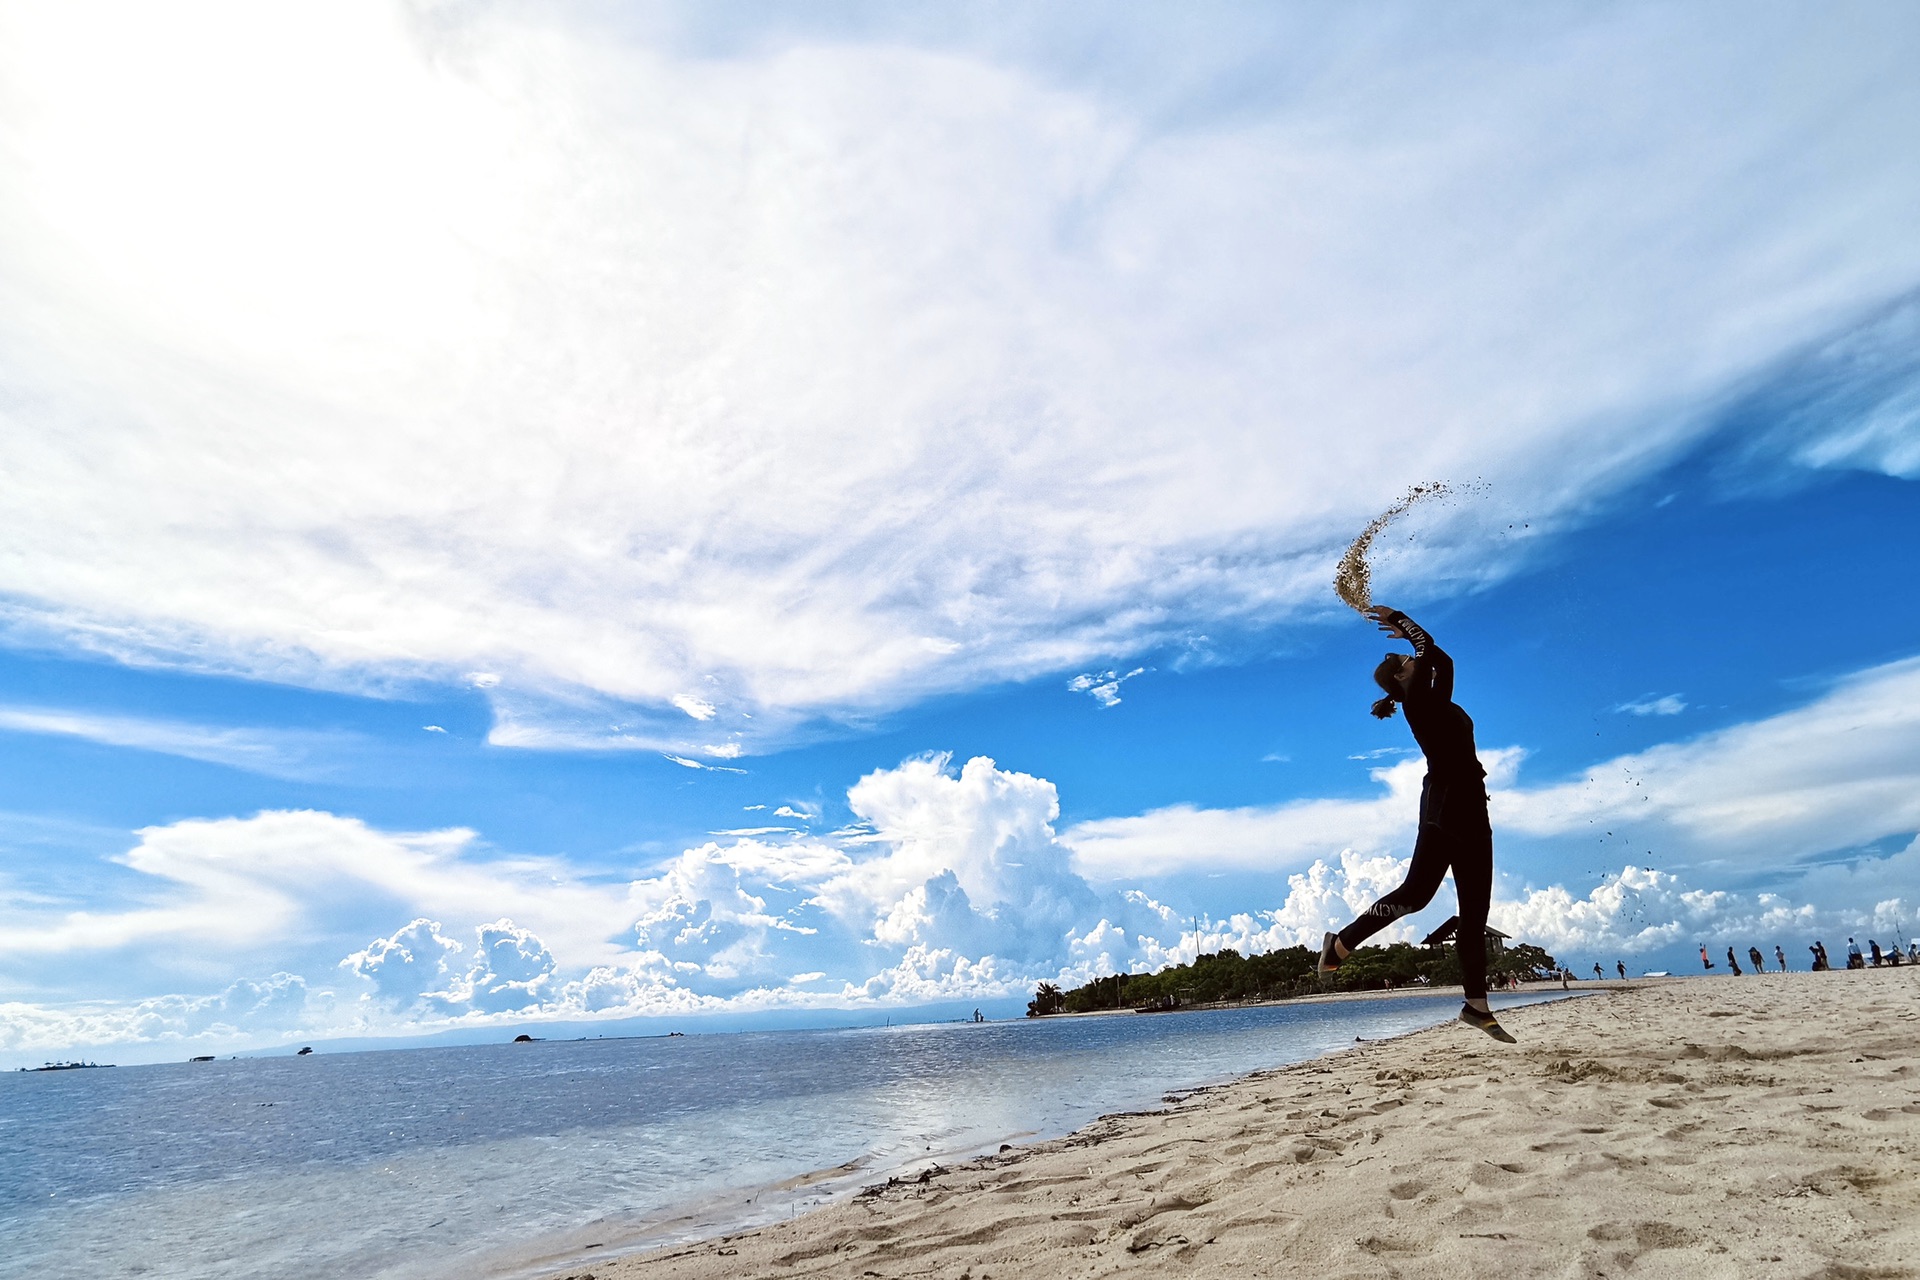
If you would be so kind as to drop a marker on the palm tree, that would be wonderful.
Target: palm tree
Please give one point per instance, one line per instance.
(1046, 999)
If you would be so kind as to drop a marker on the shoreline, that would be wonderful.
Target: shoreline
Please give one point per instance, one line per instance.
(719, 1215)
(1757, 1126)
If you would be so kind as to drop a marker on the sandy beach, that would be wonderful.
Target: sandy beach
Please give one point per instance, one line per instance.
(1720, 1127)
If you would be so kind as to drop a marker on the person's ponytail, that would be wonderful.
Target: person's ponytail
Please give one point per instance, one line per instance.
(1386, 676)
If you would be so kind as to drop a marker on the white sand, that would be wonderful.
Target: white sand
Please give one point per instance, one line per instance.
(1714, 1127)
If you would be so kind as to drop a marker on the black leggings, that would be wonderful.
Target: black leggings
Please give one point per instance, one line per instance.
(1454, 832)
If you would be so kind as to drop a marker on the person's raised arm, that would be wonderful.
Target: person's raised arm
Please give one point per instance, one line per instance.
(1433, 667)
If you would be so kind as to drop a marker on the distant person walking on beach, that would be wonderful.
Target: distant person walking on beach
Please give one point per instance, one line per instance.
(1621, 965)
(1733, 962)
(1454, 828)
(1704, 962)
(1781, 956)
(1854, 959)
(1876, 952)
(1598, 972)
(1759, 961)
(1819, 950)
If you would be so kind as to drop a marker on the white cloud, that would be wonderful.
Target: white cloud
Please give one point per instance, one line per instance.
(239, 1015)
(305, 882)
(408, 967)
(685, 763)
(1671, 704)
(1850, 403)
(1835, 774)
(278, 753)
(1185, 838)
(1638, 910)
(953, 884)
(1103, 686)
(698, 708)
(512, 971)
(967, 853)
(598, 373)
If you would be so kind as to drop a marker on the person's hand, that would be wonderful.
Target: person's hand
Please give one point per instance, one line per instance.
(1383, 618)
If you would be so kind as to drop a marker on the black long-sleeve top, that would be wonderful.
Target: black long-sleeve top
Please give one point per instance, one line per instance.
(1443, 730)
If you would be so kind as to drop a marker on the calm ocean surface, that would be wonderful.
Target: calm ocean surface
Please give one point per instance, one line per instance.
(431, 1162)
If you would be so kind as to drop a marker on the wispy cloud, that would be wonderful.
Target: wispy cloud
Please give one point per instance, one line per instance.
(1041, 498)
(685, 763)
(276, 752)
(1671, 704)
(1763, 797)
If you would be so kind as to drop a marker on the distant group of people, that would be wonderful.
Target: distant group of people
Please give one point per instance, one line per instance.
(1856, 959)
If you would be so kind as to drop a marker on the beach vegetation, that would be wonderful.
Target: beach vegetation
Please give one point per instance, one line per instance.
(1226, 976)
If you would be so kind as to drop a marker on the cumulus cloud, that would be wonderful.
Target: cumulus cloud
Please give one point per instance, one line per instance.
(409, 966)
(966, 851)
(512, 970)
(648, 372)
(1637, 910)
(952, 884)
(241, 1014)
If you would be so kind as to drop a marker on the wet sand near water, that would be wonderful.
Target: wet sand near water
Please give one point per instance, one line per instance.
(1716, 1127)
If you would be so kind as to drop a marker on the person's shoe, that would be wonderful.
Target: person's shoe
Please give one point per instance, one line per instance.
(1486, 1022)
(1329, 954)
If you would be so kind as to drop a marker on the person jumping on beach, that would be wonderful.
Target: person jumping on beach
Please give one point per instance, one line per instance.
(1454, 829)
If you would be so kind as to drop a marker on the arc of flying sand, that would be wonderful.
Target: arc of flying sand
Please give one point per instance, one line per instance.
(1353, 580)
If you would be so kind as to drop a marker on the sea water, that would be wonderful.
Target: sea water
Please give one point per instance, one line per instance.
(422, 1163)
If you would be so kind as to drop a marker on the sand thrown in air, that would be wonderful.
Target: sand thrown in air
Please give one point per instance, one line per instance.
(1353, 580)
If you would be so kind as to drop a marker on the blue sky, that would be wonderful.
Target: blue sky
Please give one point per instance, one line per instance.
(601, 513)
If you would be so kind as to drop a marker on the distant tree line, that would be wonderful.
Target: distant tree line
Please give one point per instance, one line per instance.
(1226, 975)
